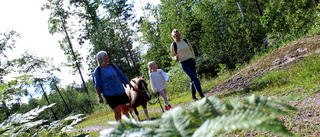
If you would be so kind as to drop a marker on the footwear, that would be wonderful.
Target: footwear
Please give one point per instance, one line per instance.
(194, 96)
(201, 94)
(166, 108)
(169, 107)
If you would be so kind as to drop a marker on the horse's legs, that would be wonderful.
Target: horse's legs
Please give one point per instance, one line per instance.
(137, 113)
(130, 112)
(124, 110)
(145, 111)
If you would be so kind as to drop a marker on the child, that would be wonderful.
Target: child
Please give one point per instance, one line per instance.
(158, 80)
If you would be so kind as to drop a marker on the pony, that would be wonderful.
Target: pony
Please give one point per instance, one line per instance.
(139, 97)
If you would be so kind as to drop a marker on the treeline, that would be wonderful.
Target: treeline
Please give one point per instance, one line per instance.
(223, 34)
(228, 32)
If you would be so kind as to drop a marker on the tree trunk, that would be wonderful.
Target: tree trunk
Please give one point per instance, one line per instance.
(258, 8)
(74, 56)
(6, 108)
(240, 9)
(129, 50)
(45, 95)
(62, 98)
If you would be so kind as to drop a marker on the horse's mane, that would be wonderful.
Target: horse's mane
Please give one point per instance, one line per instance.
(137, 81)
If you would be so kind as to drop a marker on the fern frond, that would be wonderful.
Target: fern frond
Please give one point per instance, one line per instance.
(212, 117)
(253, 119)
(274, 125)
(175, 123)
(172, 123)
(274, 106)
(127, 128)
(205, 108)
(232, 104)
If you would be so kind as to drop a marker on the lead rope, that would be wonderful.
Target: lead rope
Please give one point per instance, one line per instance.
(158, 100)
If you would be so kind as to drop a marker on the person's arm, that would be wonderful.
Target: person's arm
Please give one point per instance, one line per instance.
(166, 77)
(174, 56)
(153, 85)
(123, 77)
(99, 95)
(98, 85)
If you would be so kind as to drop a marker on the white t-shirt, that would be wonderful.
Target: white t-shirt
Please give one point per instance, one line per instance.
(184, 50)
(158, 80)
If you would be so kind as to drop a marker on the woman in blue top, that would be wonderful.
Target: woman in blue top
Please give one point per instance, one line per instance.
(110, 86)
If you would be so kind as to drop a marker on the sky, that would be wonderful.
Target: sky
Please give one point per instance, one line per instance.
(31, 23)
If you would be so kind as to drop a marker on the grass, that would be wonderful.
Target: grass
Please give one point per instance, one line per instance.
(301, 78)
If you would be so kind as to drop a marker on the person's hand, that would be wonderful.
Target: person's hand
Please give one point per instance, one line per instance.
(193, 58)
(100, 99)
(177, 56)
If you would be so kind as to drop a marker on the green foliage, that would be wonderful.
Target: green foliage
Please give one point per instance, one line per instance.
(59, 22)
(212, 117)
(7, 41)
(77, 101)
(288, 19)
(26, 125)
(179, 81)
(227, 37)
(205, 64)
(11, 89)
(317, 21)
(218, 32)
(109, 31)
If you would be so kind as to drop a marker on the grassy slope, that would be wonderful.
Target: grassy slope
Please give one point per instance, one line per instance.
(291, 69)
(284, 71)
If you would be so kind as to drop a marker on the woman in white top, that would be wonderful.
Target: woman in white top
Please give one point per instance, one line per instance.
(182, 51)
(158, 80)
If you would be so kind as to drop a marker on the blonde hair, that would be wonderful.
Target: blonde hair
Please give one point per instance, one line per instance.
(174, 32)
(100, 57)
(150, 65)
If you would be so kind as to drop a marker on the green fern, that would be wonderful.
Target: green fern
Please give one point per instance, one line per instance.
(24, 124)
(212, 117)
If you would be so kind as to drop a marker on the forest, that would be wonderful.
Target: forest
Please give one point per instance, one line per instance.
(224, 35)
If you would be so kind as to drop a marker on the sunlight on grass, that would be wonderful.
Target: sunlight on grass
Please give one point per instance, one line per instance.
(304, 75)
(100, 119)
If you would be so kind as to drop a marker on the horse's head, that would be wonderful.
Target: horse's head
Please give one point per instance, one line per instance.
(141, 84)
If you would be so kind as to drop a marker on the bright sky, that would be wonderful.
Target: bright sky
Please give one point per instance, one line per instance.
(26, 18)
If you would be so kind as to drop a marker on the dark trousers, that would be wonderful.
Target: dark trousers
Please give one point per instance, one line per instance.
(189, 67)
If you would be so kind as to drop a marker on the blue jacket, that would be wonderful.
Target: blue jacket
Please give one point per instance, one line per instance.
(110, 81)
